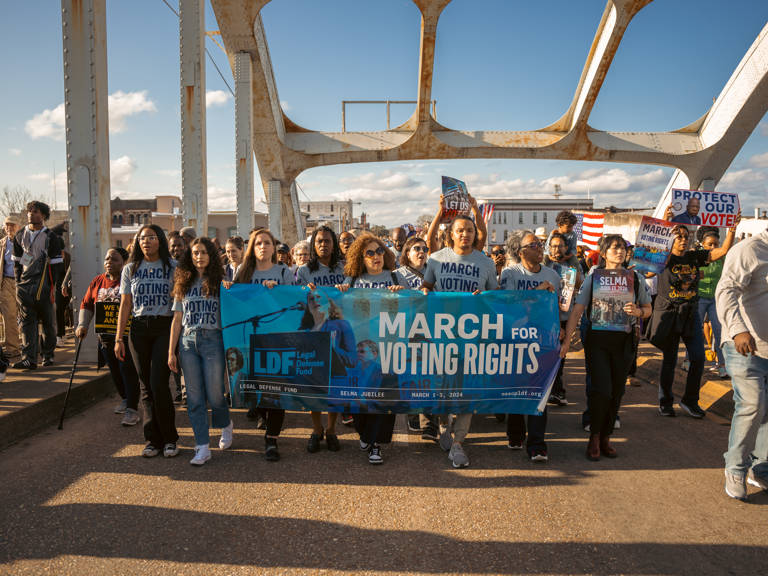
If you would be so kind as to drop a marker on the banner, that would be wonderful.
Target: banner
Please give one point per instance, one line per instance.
(456, 198)
(611, 290)
(653, 245)
(715, 208)
(378, 351)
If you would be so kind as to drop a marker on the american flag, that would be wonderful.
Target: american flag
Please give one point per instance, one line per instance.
(589, 229)
(486, 211)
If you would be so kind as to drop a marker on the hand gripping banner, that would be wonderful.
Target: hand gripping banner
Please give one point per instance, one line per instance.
(381, 352)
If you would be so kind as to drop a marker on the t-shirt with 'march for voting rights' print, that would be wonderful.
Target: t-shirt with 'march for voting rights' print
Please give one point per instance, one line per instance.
(410, 274)
(383, 279)
(150, 287)
(278, 273)
(451, 272)
(518, 277)
(323, 276)
(198, 311)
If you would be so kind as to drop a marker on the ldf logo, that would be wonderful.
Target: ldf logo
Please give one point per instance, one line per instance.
(274, 362)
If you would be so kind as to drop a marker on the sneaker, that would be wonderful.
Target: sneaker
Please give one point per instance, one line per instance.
(515, 445)
(150, 451)
(170, 450)
(693, 410)
(347, 419)
(313, 445)
(735, 486)
(374, 455)
(667, 411)
(757, 480)
(332, 442)
(202, 455)
(538, 455)
(446, 440)
(47, 361)
(413, 423)
(25, 364)
(685, 365)
(59, 341)
(364, 445)
(722, 372)
(226, 436)
(130, 418)
(457, 456)
(430, 432)
(617, 423)
(271, 454)
(557, 399)
(120, 408)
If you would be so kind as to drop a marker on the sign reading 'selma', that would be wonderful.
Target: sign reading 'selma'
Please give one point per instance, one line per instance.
(378, 351)
(290, 367)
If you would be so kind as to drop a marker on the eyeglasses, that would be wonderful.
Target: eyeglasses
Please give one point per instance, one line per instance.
(498, 252)
(419, 248)
(371, 253)
(533, 245)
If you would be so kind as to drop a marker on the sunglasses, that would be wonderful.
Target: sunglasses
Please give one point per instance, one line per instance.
(419, 248)
(533, 245)
(371, 253)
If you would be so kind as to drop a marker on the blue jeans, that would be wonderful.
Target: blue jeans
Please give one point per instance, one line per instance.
(202, 361)
(707, 307)
(748, 440)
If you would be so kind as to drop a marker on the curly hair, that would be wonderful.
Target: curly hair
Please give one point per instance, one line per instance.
(404, 259)
(565, 217)
(247, 267)
(449, 236)
(314, 261)
(45, 210)
(137, 254)
(355, 265)
(187, 274)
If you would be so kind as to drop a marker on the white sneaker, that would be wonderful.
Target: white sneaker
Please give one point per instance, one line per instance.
(59, 341)
(458, 456)
(226, 436)
(202, 455)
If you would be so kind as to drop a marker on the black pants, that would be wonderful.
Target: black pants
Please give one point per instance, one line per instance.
(40, 311)
(558, 388)
(62, 305)
(375, 427)
(149, 340)
(608, 356)
(123, 373)
(274, 418)
(536, 430)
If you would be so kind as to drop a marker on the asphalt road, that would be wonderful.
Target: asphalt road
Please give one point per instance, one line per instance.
(83, 501)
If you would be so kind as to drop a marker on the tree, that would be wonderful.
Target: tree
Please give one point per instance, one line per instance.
(379, 230)
(14, 200)
(424, 221)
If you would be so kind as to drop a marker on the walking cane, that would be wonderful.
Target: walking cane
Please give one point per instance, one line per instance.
(71, 377)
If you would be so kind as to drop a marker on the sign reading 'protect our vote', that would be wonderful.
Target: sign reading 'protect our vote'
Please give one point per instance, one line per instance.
(716, 208)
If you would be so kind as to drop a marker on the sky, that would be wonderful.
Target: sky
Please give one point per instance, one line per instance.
(499, 64)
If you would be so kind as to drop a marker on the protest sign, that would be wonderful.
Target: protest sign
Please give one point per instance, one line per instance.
(611, 289)
(456, 197)
(378, 351)
(567, 284)
(105, 318)
(715, 208)
(653, 245)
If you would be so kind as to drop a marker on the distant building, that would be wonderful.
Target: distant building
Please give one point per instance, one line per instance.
(336, 213)
(513, 214)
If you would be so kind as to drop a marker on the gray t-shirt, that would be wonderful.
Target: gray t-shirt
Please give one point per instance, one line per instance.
(198, 311)
(323, 276)
(278, 273)
(414, 280)
(451, 272)
(585, 294)
(150, 287)
(518, 277)
(381, 280)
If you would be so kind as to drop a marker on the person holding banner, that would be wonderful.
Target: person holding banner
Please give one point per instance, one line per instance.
(608, 346)
(676, 316)
(528, 274)
(459, 267)
(102, 299)
(325, 268)
(370, 264)
(145, 291)
(201, 350)
(260, 267)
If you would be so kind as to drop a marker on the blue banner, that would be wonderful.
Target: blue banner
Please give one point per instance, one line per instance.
(378, 351)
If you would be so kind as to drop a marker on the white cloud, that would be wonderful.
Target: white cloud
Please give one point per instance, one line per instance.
(51, 124)
(216, 98)
(285, 105)
(759, 160)
(14, 151)
(171, 172)
(121, 170)
(39, 176)
(221, 198)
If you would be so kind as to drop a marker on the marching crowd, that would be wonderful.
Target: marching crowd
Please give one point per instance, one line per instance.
(169, 322)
